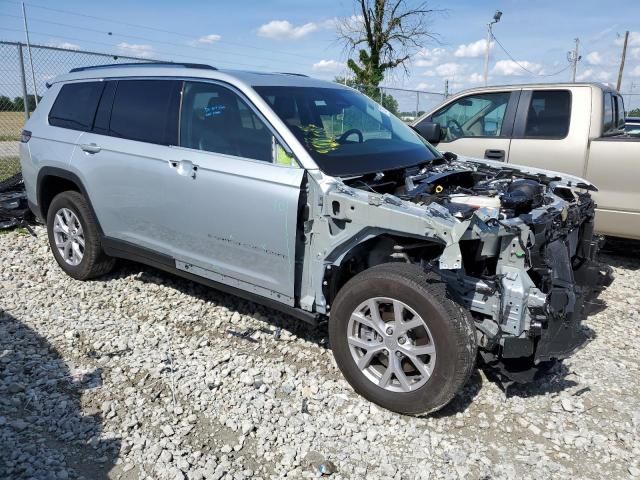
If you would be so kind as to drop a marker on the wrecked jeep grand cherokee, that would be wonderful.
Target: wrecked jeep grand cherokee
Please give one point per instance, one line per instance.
(310, 198)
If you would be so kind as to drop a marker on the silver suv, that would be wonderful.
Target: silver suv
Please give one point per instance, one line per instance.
(311, 198)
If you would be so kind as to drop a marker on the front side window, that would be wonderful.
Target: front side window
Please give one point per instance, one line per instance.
(146, 111)
(549, 114)
(215, 119)
(479, 115)
(345, 132)
(76, 104)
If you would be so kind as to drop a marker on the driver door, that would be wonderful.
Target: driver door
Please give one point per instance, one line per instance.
(478, 125)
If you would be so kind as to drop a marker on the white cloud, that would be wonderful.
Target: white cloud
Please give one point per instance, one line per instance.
(354, 23)
(634, 40)
(636, 72)
(476, 78)
(511, 68)
(635, 53)
(135, 49)
(425, 86)
(428, 57)
(65, 45)
(594, 58)
(449, 69)
(328, 66)
(591, 75)
(284, 30)
(207, 39)
(473, 50)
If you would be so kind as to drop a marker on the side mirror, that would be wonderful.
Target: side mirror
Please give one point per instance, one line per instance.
(431, 132)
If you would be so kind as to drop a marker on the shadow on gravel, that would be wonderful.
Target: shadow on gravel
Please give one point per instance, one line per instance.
(621, 253)
(231, 302)
(43, 432)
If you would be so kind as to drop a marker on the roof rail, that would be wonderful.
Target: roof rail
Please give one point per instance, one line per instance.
(150, 64)
(295, 74)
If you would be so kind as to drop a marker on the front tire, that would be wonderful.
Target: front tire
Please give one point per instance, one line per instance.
(74, 237)
(399, 339)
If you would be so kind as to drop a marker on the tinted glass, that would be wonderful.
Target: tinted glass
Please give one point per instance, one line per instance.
(346, 132)
(215, 119)
(549, 114)
(146, 111)
(76, 104)
(473, 116)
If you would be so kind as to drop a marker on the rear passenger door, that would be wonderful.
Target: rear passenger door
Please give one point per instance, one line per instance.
(550, 127)
(124, 162)
(478, 125)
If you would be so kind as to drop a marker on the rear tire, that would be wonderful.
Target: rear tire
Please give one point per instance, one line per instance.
(430, 362)
(74, 237)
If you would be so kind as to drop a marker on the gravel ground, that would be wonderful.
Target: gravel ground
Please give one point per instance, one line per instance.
(143, 375)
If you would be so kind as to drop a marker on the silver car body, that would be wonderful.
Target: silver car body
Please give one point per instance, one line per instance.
(236, 221)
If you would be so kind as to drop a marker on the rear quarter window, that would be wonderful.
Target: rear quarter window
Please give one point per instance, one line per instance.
(75, 106)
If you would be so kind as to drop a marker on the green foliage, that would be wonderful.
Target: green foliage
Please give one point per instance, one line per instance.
(17, 105)
(374, 92)
(634, 113)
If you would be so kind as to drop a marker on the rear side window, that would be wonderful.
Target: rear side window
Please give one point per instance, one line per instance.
(146, 111)
(613, 115)
(76, 104)
(549, 114)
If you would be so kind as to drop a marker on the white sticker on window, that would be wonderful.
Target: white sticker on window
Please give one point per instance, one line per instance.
(320, 103)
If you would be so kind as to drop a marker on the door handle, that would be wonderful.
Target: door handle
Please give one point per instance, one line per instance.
(185, 168)
(90, 148)
(494, 155)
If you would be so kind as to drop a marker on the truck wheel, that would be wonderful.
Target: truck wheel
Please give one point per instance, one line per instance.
(399, 340)
(74, 238)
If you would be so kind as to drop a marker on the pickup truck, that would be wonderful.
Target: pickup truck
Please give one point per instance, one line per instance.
(576, 128)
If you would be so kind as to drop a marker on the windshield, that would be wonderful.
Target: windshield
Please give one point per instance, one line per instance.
(345, 132)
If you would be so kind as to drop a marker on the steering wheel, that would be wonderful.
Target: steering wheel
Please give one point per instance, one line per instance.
(343, 138)
(454, 129)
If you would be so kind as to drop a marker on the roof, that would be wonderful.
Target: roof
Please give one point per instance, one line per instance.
(517, 86)
(165, 70)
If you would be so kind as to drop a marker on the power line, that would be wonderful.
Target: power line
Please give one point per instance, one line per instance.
(145, 39)
(161, 53)
(523, 67)
(160, 30)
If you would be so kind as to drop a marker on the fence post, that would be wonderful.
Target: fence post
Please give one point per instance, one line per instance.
(417, 104)
(23, 78)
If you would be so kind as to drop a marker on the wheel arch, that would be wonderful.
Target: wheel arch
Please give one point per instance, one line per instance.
(52, 181)
(370, 248)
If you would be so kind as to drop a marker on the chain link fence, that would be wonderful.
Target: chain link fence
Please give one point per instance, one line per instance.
(21, 86)
(405, 104)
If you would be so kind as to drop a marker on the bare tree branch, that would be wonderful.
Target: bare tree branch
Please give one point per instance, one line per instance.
(390, 30)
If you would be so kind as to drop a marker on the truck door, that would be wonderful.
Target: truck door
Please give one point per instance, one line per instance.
(477, 125)
(551, 128)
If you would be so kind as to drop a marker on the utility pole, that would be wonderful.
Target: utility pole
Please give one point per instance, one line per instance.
(624, 56)
(446, 88)
(574, 58)
(33, 75)
(496, 19)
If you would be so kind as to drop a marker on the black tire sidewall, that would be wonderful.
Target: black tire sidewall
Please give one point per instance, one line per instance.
(435, 392)
(71, 200)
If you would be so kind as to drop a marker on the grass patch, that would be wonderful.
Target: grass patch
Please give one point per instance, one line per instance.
(11, 125)
(9, 167)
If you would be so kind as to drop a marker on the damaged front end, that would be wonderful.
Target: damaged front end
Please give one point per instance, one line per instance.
(518, 251)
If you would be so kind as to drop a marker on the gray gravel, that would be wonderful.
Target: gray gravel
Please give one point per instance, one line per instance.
(142, 375)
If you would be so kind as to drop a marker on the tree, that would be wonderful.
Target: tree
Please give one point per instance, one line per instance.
(634, 113)
(373, 92)
(385, 34)
(18, 104)
(6, 105)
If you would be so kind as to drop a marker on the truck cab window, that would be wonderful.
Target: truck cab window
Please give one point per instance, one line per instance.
(549, 114)
(473, 116)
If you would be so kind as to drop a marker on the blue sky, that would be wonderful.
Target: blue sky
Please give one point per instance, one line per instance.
(288, 35)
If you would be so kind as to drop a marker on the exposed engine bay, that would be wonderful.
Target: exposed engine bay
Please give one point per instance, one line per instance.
(520, 257)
